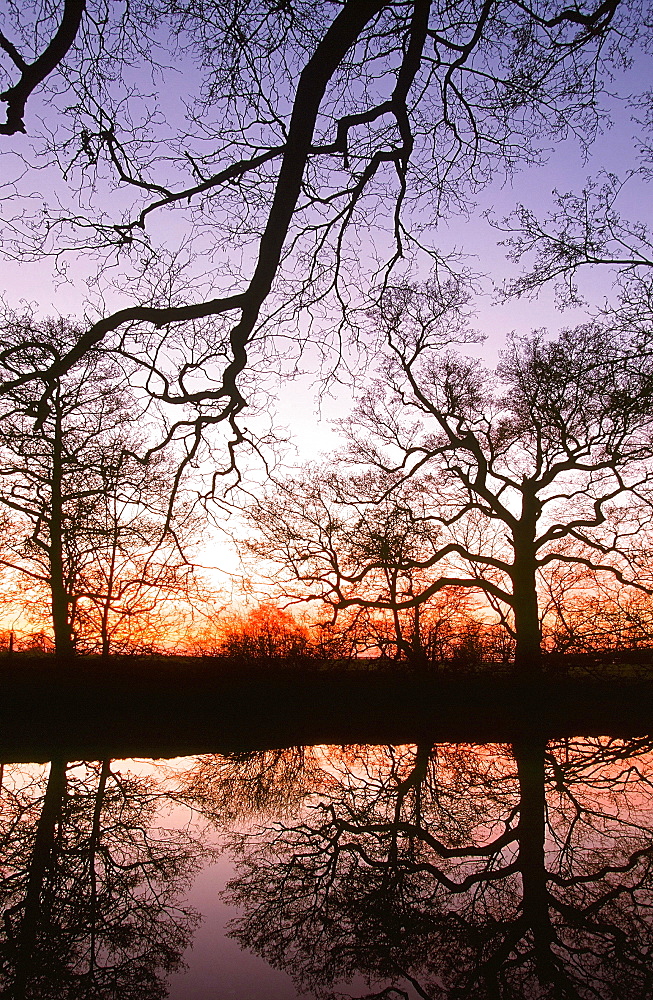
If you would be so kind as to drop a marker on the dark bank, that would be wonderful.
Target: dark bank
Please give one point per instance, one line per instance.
(172, 706)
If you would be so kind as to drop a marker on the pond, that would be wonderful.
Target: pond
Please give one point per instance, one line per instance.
(428, 870)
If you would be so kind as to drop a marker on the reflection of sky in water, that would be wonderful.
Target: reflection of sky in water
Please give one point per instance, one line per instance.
(611, 814)
(344, 863)
(217, 967)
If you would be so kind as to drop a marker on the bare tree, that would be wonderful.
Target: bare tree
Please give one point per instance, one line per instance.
(590, 612)
(307, 125)
(457, 872)
(135, 580)
(93, 520)
(91, 884)
(544, 462)
(33, 73)
(583, 232)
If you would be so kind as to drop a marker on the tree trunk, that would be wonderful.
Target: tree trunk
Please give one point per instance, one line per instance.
(105, 636)
(528, 644)
(40, 862)
(63, 642)
(531, 858)
(96, 831)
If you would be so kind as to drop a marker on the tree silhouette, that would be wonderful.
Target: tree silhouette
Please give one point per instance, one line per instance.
(585, 231)
(499, 477)
(435, 871)
(267, 632)
(304, 128)
(90, 885)
(93, 523)
(460, 872)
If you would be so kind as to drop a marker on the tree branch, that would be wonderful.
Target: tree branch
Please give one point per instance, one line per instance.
(34, 73)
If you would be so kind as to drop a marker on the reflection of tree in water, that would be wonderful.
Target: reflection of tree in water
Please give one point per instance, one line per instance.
(88, 886)
(522, 872)
(265, 783)
(437, 872)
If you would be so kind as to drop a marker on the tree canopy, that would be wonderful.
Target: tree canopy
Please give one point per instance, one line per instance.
(460, 477)
(301, 132)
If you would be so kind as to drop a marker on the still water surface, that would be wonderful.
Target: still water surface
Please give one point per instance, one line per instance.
(433, 871)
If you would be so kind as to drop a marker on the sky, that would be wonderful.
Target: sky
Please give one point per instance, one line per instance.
(308, 417)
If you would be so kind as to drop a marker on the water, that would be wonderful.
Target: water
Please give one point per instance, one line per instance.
(438, 871)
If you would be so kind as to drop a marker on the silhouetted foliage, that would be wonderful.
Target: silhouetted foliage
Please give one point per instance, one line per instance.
(487, 482)
(90, 886)
(266, 632)
(92, 519)
(304, 126)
